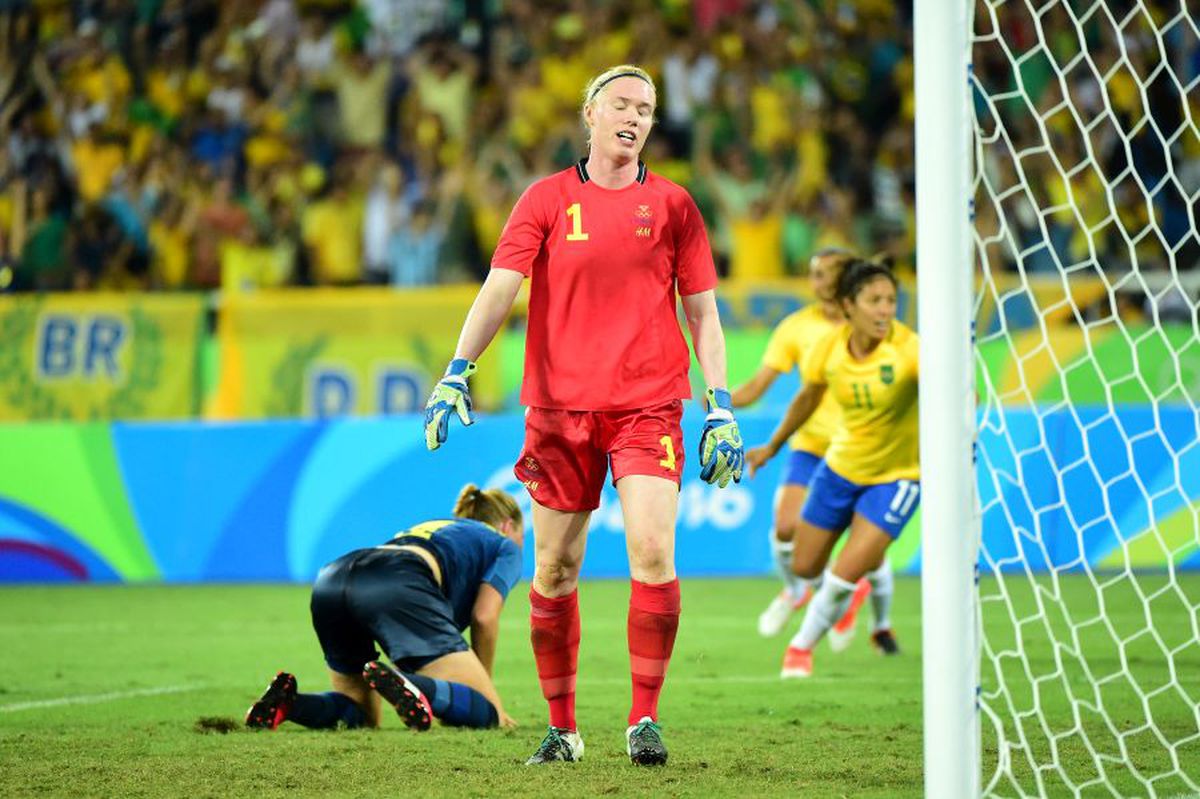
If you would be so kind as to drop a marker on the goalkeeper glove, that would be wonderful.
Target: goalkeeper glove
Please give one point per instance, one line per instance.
(721, 452)
(450, 394)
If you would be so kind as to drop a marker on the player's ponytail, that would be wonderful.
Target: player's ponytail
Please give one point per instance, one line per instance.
(838, 259)
(885, 259)
(491, 506)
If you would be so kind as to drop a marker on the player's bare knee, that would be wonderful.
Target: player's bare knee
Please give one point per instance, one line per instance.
(807, 567)
(785, 529)
(652, 564)
(555, 578)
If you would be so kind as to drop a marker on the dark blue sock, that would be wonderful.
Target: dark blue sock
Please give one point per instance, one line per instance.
(325, 711)
(456, 704)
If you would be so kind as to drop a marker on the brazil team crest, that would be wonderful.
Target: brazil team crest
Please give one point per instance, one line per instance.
(887, 374)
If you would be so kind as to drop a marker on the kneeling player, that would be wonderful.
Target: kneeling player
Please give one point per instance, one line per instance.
(868, 481)
(413, 595)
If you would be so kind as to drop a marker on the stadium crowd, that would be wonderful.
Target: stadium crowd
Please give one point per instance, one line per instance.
(164, 144)
(1089, 148)
(167, 144)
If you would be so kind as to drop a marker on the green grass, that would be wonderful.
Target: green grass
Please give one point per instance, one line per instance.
(732, 727)
(1105, 672)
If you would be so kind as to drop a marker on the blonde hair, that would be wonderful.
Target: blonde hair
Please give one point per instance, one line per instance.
(492, 506)
(838, 259)
(596, 84)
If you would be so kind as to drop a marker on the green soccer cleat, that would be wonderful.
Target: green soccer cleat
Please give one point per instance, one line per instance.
(559, 745)
(643, 742)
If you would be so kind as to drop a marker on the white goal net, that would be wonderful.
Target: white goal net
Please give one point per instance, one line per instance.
(1086, 119)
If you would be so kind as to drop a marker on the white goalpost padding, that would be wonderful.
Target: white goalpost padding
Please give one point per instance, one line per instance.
(1067, 303)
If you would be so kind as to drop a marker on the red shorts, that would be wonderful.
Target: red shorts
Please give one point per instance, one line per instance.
(567, 453)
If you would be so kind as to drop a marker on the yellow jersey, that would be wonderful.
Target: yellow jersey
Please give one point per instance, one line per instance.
(793, 338)
(877, 439)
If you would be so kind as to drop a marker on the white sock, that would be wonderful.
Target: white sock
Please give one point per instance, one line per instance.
(882, 581)
(781, 555)
(827, 606)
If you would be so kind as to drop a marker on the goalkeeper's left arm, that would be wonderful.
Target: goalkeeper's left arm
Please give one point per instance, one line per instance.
(721, 451)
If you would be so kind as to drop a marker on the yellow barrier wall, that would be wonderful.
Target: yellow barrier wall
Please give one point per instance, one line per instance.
(333, 352)
(330, 352)
(100, 356)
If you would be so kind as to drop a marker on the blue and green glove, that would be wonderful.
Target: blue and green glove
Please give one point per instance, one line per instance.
(721, 453)
(450, 394)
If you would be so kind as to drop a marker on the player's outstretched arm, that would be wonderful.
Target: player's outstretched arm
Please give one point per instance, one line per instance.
(451, 394)
(749, 392)
(802, 406)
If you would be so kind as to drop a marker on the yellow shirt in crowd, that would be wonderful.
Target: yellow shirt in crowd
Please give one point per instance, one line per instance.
(171, 254)
(877, 439)
(791, 340)
(334, 232)
(757, 247)
(95, 165)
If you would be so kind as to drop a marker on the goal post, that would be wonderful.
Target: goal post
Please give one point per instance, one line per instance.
(945, 288)
(1058, 199)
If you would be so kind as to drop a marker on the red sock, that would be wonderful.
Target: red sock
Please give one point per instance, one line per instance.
(554, 631)
(653, 620)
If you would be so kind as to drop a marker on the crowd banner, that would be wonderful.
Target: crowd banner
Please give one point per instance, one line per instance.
(275, 500)
(324, 353)
(365, 351)
(100, 356)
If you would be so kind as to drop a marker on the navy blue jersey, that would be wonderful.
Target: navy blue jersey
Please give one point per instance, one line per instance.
(470, 553)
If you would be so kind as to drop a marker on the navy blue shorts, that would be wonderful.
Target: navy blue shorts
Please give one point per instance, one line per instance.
(799, 468)
(387, 596)
(833, 500)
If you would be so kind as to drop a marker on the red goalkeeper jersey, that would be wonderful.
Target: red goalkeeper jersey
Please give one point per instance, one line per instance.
(605, 264)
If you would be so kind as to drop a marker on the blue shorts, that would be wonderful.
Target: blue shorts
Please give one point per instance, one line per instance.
(800, 466)
(833, 500)
(385, 596)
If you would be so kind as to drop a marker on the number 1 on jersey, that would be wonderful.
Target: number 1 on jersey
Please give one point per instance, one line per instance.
(576, 215)
(668, 462)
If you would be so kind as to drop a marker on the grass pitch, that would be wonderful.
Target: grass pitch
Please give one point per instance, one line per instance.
(101, 689)
(124, 691)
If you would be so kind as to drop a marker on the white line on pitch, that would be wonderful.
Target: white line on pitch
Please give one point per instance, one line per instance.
(95, 699)
(745, 679)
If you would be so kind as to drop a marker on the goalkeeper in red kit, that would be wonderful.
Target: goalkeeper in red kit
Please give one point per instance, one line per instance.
(607, 245)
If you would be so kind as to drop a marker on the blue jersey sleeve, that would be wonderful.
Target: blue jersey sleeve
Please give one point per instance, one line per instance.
(506, 569)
